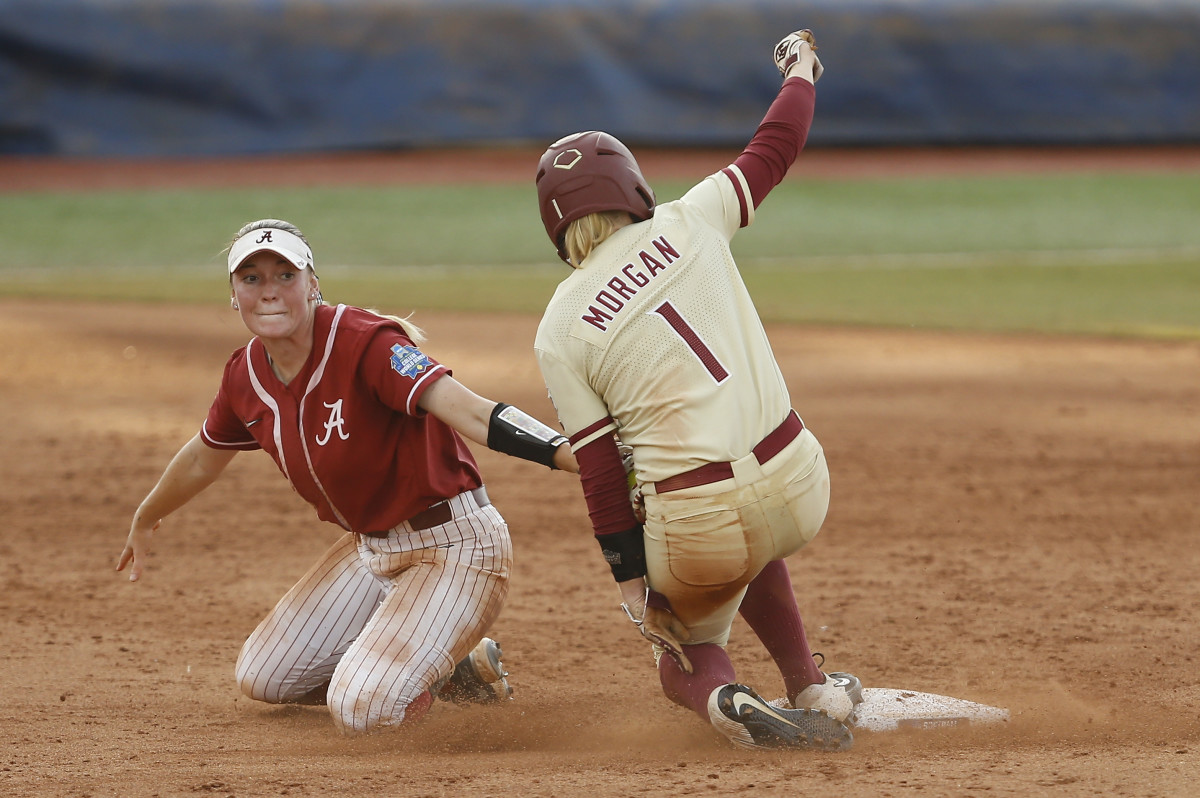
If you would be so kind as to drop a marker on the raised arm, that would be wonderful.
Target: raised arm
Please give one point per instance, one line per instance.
(784, 130)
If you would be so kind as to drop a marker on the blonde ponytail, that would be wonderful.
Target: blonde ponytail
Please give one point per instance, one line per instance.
(588, 232)
(414, 333)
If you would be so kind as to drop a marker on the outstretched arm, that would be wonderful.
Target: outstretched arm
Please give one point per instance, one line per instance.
(482, 421)
(194, 468)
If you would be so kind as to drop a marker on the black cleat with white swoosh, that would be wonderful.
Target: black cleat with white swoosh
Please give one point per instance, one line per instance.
(750, 722)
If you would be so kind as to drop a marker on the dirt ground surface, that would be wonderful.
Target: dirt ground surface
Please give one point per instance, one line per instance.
(1014, 521)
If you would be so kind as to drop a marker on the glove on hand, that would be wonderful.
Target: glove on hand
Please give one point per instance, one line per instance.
(660, 626)
(787, 52)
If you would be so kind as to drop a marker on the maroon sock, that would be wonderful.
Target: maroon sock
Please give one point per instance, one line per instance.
(769, 607)
(711, 668)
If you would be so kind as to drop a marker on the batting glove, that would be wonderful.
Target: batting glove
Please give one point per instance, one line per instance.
(789, 51)
(660, 626)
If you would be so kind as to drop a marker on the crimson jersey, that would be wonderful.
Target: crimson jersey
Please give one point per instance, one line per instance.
(346, 431)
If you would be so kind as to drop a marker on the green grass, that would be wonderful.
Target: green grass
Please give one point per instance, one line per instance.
(1150, 299)
(1056, 213)
(1091, 253)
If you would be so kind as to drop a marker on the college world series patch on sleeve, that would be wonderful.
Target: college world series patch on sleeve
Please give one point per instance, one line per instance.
(409, 361)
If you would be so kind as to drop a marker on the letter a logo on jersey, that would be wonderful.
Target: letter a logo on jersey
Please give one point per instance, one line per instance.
(335, 421)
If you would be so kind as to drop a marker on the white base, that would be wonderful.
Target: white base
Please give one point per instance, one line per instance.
(888, 709)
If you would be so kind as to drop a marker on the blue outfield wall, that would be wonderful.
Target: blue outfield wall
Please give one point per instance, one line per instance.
(214, 77)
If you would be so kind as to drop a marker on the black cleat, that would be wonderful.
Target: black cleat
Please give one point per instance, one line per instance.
(747, 721)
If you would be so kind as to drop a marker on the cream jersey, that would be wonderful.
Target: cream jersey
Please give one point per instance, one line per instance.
(655, 337)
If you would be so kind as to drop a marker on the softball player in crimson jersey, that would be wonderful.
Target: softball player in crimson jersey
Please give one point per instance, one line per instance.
(366, 428)
(654, 338)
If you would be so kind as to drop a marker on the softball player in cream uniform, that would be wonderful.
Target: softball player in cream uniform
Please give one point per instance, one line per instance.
(654, 339)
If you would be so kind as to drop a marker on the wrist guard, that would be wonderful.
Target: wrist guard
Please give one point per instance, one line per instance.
(515, 432)
(625, 553)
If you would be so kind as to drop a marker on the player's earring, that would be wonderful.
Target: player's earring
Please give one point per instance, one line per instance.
(315, 296)
(233, 304)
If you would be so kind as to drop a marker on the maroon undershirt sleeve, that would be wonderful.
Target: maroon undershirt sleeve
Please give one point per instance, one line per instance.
(604, 487)
(779, 138)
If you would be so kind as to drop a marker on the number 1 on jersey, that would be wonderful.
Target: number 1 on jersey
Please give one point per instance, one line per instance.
(692, 339)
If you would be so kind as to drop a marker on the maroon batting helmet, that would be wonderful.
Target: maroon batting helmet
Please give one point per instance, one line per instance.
(586, 173)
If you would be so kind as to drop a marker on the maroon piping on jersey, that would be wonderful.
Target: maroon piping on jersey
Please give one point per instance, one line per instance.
(741, 195)
(590, 429)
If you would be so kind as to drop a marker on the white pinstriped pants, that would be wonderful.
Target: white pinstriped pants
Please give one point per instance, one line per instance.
(382, 619)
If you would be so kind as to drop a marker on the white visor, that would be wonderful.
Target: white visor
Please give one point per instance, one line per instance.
(270, 239)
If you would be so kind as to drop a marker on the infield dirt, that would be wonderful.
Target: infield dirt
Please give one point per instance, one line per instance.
(1014, 521)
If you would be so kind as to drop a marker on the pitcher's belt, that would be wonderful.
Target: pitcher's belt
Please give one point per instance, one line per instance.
(767, 448)
(437, 514)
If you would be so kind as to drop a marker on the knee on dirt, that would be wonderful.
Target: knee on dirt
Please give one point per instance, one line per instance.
(279, 685)
(361, 705)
